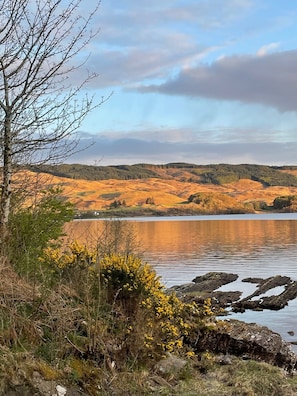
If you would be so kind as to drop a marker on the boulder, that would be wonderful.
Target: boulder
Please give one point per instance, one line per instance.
(205, 284)
(213, 280)
(249, 340)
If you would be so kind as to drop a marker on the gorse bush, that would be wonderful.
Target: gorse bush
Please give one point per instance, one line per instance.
(142, 320)
(73, 265)
(157, 321)
(128, 276)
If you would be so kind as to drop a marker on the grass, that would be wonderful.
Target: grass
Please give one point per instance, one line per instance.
(170, 193)
(57, 335)
(240, 378)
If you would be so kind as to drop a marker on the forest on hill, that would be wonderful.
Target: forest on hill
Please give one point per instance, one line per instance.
(217, 174)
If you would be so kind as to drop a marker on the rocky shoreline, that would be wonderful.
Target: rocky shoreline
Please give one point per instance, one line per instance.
(239, 338)
(205, 286)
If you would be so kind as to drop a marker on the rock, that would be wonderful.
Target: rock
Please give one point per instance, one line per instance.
(273, 302)
(61, 391)
(38, 386)
(213, 280)
(170, 365)
(256, 342)
(205, 286)
(219, 300)
(253, 280)
(224, 360)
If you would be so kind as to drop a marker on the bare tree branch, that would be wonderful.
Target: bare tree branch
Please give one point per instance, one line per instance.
(41, 43)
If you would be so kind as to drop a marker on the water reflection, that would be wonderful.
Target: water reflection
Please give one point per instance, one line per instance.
(181, 250)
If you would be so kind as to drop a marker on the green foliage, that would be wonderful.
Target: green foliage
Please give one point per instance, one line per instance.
(150, 201)
(212, 174)
(33, 228)
(216, 203)
(110, 195)
(117, 203)
(258, 205)
(286, 203)
(268, 176)
(92, 172)
(105, 316)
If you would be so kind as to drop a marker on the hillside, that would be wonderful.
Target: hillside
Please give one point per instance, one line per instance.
(145, 189)
(205, 174)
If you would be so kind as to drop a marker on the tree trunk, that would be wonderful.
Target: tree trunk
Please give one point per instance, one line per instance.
(6, 177)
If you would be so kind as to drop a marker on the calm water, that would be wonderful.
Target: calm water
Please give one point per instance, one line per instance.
(180, 248)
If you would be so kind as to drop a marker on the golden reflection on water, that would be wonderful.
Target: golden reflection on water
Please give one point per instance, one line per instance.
(163, 236)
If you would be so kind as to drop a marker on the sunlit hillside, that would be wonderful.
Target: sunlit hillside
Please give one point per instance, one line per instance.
(157, 193)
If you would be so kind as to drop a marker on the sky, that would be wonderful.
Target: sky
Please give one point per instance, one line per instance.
(195, 81)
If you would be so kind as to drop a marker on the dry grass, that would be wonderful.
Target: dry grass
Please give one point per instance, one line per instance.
(169, 193)
(43, 343)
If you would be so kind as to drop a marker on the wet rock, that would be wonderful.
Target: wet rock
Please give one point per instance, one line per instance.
(224, 299)
(273, 302)
(253, 280)
(255, 342)
(213, 280)
(220, 301)
(205, 286)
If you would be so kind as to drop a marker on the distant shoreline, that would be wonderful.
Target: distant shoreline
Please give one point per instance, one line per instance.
(168, 213)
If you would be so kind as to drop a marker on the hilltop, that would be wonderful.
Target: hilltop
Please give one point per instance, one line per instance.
(175, 188)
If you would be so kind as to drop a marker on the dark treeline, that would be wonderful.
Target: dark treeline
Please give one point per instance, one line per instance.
(208, 174)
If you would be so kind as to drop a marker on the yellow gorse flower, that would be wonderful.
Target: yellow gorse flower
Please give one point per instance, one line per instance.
(75, 255)
(138, 290)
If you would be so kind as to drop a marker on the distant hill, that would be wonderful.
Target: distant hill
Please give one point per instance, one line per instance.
(175, 188)
(206, 174)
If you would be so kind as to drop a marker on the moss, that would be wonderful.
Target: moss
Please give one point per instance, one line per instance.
(48, 372)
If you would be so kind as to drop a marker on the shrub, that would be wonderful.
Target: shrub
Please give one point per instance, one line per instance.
(73, 265)
(286, 203)
(208, 202)
(142, 322)
(35, 227)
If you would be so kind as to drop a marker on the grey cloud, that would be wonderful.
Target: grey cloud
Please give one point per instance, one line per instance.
(128, 66)
(269, 80)
(106, 151)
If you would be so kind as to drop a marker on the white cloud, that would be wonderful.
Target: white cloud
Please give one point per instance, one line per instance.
(265, 49)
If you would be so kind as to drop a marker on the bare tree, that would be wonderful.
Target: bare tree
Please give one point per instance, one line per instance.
(42, 43)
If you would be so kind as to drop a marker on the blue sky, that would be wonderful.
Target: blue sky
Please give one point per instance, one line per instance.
(200, 81)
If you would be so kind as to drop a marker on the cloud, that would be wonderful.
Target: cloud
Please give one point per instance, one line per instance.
(139, 41)
(130, 150)
(133, 13)
(268, 80)
(265, 49)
